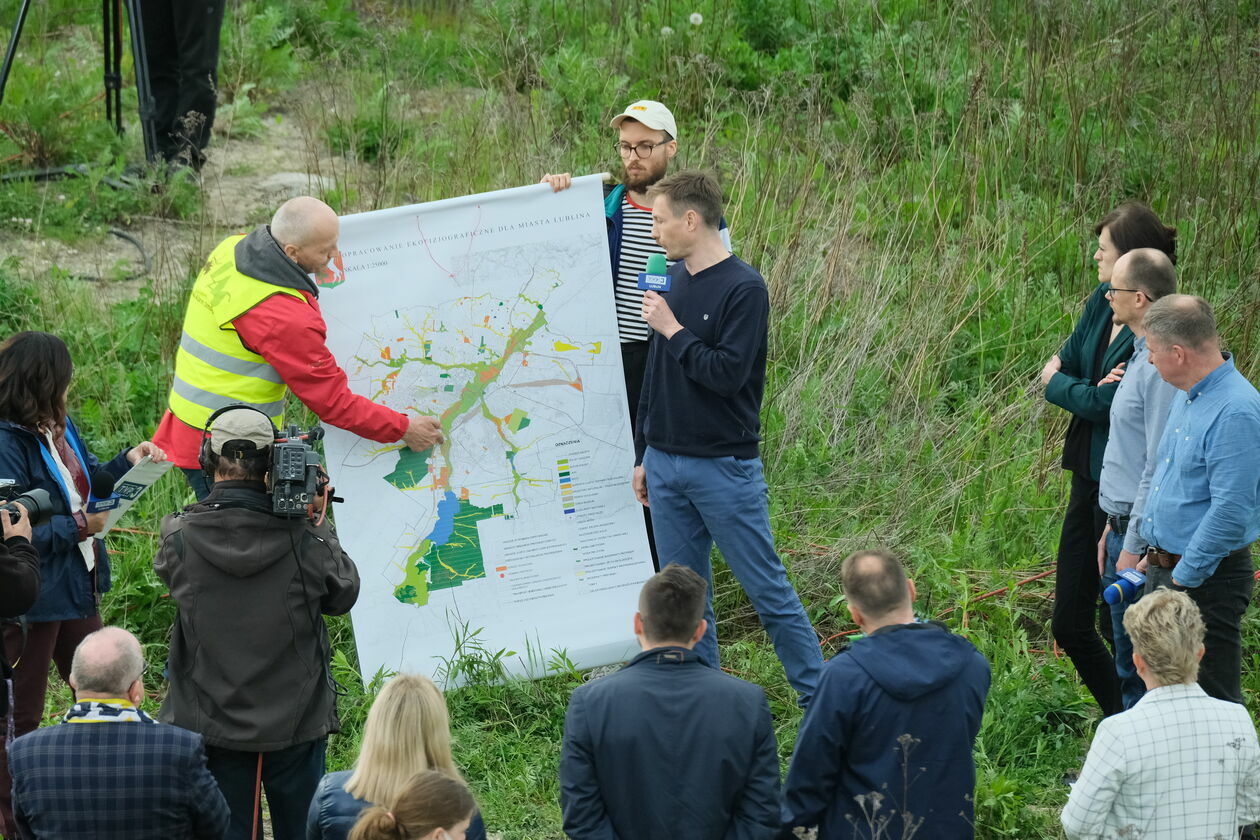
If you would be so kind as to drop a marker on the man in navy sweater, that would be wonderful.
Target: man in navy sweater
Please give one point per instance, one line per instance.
(699, 424)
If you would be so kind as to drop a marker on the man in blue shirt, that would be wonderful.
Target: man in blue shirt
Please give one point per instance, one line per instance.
(1203, 511)
(1139, 278)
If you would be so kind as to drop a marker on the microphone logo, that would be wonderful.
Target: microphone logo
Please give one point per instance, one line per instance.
(655, 277)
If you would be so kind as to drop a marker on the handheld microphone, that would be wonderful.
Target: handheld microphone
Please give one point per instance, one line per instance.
(655, 277)
(102, 495)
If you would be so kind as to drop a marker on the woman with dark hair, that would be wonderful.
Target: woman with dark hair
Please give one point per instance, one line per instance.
(1073, 379)
(430, 806)
(40, 448)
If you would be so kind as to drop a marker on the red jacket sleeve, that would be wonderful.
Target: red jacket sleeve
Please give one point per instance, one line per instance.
(292, 337)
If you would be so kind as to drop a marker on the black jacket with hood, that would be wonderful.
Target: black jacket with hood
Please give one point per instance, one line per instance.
(249, 654)
(895, 715)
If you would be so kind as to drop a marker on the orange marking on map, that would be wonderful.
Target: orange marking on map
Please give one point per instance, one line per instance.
(577, 385)
(385, 352)
(488, 374)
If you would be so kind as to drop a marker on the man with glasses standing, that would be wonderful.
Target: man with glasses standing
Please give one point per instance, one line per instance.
(122, 775)
(647, 140)
(1138, 410)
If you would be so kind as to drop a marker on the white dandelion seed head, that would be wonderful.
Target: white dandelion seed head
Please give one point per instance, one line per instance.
(696, 18)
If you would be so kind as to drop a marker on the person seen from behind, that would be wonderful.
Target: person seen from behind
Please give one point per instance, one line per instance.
(430, 806)
(1179, 764)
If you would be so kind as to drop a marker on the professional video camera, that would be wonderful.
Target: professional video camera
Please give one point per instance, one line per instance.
(296, 478)
(38, 504)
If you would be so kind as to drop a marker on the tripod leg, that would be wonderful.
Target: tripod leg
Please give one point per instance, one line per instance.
(118, 54)
(143, 89)
(13, 42)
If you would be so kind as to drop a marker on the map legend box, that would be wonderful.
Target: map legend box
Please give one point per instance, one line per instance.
(566, 486)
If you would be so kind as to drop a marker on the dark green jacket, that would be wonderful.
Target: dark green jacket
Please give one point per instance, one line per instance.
(1072, 387)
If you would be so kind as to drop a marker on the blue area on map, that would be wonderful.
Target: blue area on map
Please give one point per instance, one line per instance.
(447, 508)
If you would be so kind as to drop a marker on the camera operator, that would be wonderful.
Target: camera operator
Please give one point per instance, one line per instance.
(19, 586)
(249, 660)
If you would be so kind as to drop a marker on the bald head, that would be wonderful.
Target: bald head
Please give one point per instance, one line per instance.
(1147, 269)
(876, 586)
(306, 229)
(300, 221)
(107, 663)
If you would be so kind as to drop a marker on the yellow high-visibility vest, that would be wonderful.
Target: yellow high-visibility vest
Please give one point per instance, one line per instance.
(213, 369)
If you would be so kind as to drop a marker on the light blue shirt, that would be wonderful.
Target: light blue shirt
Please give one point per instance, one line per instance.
(1138, 413)
(1205, 495)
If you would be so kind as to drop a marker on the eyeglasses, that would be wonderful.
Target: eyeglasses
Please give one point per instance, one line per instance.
(1113, 290)
(641, 150)
(144, 669)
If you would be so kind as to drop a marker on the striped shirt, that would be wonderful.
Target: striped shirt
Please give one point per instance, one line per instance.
(637, 245)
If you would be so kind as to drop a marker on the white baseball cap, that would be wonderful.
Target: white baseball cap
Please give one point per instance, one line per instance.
(651, 113)
(241, 425)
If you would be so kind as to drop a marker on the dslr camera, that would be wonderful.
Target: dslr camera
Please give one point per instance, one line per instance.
(38, 504)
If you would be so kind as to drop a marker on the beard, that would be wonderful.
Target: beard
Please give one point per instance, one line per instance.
(645, 177)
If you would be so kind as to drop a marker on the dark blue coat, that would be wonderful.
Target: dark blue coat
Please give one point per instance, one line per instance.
(334, 811)
(897, 715)
(669, 747)
(68, 590)
(114, 781)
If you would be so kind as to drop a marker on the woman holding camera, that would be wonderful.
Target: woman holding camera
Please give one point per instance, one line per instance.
(40, 448)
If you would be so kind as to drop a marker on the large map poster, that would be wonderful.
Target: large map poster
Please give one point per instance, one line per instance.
(494, 314)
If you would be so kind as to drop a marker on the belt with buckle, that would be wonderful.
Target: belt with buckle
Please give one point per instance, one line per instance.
(1159, 557)
(1119, 524)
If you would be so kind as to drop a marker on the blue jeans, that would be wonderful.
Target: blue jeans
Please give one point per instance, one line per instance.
(699, 501)
(1131, 686)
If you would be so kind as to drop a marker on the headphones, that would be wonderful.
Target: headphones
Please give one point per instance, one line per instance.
(206, 457)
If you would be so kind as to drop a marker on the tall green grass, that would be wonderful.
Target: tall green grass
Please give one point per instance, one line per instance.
(917, 182)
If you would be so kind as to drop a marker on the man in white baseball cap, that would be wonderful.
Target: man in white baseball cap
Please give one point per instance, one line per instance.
(647, 141)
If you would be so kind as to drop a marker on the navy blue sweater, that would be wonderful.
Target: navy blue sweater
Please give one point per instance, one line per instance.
(702, 388)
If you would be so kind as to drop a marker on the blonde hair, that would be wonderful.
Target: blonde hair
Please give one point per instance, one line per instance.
(1167, 629)
(427, 801)
(407, 731)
